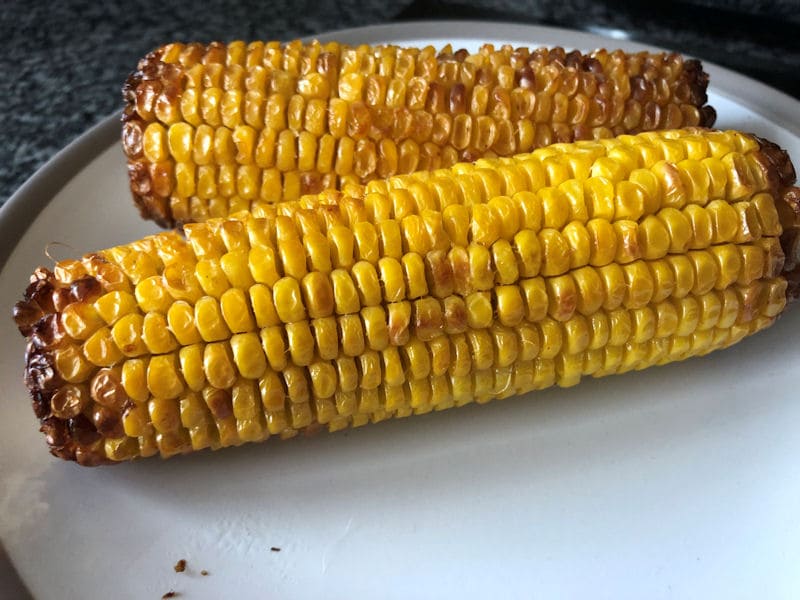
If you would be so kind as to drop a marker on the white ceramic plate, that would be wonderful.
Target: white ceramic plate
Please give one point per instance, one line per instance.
(681, 481)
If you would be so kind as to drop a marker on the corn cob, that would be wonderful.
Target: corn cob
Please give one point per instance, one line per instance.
(212, 130)
(417, 293)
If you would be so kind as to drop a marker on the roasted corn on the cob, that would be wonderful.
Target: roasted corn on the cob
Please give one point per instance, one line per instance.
(417, 293)
(211, 130)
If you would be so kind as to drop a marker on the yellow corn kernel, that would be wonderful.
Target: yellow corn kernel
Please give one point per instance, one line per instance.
(248, 355)
(288, 300)
(152, 295)
(218, 365)
(191, 362)
(127, 335)
(236, 311)
(163, 377)
(414, 273)
(115, 305)
(100, 349)
(365, 278)
(181, 322)
(209, 320)
(71, 364)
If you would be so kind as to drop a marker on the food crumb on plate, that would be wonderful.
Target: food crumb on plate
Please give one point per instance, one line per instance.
(180, 566)
(170, 594)
(275, 549)
(204, 573)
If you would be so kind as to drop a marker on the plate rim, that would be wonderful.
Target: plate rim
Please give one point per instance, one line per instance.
(25, 204)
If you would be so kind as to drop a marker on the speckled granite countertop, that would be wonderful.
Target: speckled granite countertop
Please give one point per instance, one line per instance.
(64, 62)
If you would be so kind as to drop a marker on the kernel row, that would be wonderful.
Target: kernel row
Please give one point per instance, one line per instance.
(215, 418)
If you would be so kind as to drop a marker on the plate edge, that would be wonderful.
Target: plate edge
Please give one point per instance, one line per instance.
(21, 209)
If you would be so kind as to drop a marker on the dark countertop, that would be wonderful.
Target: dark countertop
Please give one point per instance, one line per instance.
(64, 62)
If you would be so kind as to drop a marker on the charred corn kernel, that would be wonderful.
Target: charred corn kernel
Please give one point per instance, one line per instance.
(428, 318)
(245, 329)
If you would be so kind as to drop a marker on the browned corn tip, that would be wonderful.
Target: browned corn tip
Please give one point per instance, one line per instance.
(658, 92)
(152, 78)
(697, 80)
(76, 438)
(779, 171)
